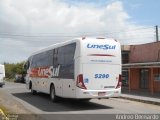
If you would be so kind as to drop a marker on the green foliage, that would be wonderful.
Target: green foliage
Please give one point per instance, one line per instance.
(11, 69)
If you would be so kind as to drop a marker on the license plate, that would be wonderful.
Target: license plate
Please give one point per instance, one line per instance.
(101, 93)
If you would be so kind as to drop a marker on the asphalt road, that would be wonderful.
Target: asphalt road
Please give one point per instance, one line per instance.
(69, 109)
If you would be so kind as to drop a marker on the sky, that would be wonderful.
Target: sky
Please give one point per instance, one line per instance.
(30, 25)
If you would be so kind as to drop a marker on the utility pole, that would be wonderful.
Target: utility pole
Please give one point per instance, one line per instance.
(157, 38)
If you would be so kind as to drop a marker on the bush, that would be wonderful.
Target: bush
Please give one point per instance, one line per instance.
(11, 69)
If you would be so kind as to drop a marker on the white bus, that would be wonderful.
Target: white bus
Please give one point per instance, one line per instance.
(2, 75)
(83, 68)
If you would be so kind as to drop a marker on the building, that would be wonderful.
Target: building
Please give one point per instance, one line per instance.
(141, 67)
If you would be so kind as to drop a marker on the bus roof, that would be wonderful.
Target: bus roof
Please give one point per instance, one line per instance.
(54, 46)
(67, 42)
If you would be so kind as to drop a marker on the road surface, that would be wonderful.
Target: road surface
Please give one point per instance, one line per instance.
(41, 104)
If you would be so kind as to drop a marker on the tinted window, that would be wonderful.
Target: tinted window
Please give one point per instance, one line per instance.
(66, 61)
(42, 59)
(55, 57)
(63, 56)
(69, 61)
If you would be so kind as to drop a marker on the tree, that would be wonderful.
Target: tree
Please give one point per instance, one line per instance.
(11, 69)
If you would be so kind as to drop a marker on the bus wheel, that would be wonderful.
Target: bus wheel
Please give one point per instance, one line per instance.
(52, 94)
(33, 91)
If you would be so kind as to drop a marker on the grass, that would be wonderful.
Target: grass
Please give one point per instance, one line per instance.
(5, 111)
(8, 114)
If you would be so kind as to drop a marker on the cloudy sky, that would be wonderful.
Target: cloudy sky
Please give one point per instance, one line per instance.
(29, 25)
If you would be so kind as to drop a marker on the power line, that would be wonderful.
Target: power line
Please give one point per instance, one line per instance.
(130, 34)
(79, 33)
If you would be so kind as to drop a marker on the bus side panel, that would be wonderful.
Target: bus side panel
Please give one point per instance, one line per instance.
(69, 88)
(58, 84)
(35, 84)
(45, 85)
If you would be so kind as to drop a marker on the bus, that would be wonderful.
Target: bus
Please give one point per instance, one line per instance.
(2, 75)
(83, 68)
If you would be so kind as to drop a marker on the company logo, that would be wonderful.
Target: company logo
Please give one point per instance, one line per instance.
(104, 47)
(45, 72)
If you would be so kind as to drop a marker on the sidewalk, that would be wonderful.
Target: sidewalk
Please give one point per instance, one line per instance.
(142, 96)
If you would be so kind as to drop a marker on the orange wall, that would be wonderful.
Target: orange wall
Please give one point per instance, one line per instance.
(156, 83)
(134, 77)
(141, 54)
(157, 86)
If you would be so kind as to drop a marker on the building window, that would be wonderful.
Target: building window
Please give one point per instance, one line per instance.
(144, 78)
(125, 57)
(157, 75)
(125, 77)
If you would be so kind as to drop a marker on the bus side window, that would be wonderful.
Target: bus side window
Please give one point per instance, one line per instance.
(55, 57)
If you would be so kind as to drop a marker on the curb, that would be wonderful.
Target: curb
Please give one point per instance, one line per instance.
(141, 100)
(3, 115)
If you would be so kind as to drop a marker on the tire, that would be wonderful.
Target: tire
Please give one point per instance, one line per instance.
(34, 92)
(53, 97)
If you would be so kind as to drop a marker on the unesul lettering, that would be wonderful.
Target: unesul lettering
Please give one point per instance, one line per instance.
(105, 47)
(49, 71)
